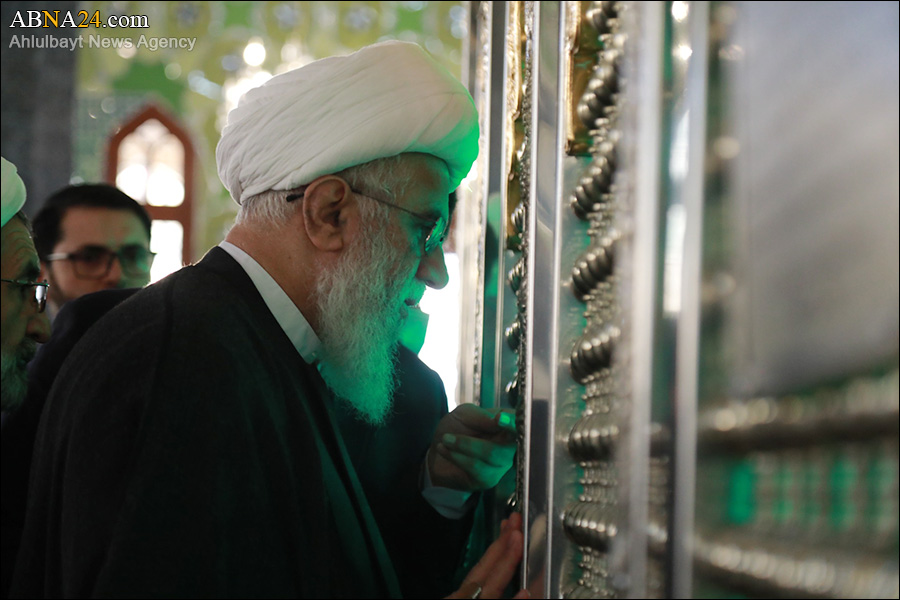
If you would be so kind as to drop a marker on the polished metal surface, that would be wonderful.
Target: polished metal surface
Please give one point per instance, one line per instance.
(594, 188)
(861, 409)
(688, 323)
(797, 390)
(520, 128)
(542, 305)
(594, 352)
(688, 175)
(472, 202)
(602, 86)
(815, 198)
(513, 335)
(594, 267)
(516, 274)
(640, 199)
(593, 438)
(586, 524)
(775, 569)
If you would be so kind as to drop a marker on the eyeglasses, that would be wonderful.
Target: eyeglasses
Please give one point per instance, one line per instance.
(94, 262)
(437, 228)
(40, 291)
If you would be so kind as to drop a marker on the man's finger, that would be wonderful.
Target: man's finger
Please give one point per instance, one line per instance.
(490, 452)
(497, 566)
(465, 463)
(506, 420)
(469, 589)
(504, 564)
(475, 418)
(480, 474)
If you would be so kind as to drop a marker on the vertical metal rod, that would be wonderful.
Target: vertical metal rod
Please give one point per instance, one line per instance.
(503, 265)
(644, 291)
(543, 295)
(471, 226)
(688, 332)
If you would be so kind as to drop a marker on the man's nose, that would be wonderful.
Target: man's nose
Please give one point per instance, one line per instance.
(433, 270)
(38, 327)
(114, 273)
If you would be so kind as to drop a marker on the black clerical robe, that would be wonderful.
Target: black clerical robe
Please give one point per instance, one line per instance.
(427, 549)
(20, 427)
(187, 450)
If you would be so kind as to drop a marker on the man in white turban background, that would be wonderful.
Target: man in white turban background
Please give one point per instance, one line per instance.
(193, 443)
(23, 323)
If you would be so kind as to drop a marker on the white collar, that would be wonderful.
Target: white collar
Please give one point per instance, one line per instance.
(292, 321)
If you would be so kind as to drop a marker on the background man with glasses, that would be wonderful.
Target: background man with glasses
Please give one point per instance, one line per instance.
(92, 237)
(192, 445)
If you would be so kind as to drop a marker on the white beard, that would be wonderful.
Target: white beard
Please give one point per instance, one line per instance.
(14, 375)
(361, 310)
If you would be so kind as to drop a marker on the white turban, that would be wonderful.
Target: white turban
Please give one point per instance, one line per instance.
(339, 112)
(13, 190)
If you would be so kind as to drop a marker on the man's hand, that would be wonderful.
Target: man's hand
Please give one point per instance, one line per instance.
(472, 448)
(496, 568)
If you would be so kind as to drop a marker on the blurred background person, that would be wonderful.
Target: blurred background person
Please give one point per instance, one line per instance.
(89, 238)
(24, 323)
(92, 237)
(23, 320)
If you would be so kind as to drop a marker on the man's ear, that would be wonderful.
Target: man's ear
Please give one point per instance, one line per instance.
(325, 203)
(45, 272)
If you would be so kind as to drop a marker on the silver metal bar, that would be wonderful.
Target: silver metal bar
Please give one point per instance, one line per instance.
(471, 226)
(647, 94)
(504, 358)
(543, 297)
(491, 322)
(534, 537)
(688, 328)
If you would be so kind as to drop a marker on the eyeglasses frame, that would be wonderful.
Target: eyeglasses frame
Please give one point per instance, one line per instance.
(431, 242)
(78, 255)
(40, 297)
